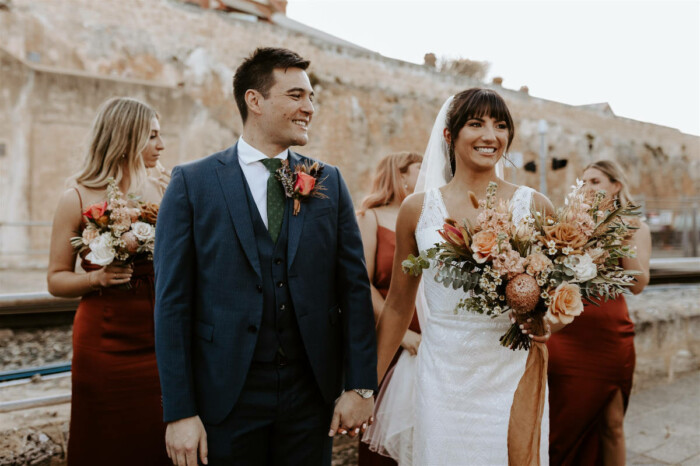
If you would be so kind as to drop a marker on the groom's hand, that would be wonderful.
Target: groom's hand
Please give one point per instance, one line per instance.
(351, 414)
(185, 438)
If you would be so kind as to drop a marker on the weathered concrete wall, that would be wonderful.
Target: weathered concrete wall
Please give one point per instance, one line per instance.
(46, 122)
(667, 326)
(73, 54)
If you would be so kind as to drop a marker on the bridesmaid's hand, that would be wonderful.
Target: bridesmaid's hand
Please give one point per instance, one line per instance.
(411, 342)
(529, 328)
(112, 275)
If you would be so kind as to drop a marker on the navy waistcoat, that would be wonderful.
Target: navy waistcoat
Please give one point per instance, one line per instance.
(279, 331)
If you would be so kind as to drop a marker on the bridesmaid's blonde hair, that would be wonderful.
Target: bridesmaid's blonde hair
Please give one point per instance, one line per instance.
(386, 185)
(615, 174)
(119, 134)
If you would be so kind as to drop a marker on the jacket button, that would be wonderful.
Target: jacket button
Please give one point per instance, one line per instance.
(259, 288)
(282, 307)
(278, 261)
(252, 328)
(280, 284)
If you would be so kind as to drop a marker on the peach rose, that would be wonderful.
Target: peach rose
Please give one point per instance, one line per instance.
(134, 213)
(565, 234)
(537, 262)
(483, 243)
(566, 304)
(131, 243)
(89, 234)
(304, 184)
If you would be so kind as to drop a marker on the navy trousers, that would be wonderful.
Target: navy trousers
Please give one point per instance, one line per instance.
(279, 419)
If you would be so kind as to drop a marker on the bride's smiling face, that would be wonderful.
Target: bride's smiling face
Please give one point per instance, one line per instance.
(481, 142)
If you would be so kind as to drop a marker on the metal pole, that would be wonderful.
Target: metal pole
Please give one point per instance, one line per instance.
(694, 229)
(542, 129)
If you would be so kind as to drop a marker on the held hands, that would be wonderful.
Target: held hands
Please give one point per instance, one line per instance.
(183, 439)
(111, 275)
(411, 342)
(351, 414)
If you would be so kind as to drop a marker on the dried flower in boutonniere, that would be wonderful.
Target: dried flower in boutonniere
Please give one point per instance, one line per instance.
(305, 182)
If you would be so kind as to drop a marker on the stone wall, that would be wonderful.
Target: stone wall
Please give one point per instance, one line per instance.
(64, 58)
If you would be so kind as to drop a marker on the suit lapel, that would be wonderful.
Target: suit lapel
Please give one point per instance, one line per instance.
(296, 222)
(232, 183)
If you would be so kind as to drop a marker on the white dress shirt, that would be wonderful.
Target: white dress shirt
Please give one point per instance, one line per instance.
(256, 174)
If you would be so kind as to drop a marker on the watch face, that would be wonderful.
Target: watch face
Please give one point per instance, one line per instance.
(364, 392)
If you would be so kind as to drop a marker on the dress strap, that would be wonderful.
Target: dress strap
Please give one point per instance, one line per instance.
(80, 198)
(376, 218)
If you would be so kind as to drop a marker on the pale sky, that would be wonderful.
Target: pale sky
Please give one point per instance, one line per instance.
(643, 58)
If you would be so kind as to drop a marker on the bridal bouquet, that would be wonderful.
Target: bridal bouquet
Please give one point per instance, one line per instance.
(539, 268)
(117, 229)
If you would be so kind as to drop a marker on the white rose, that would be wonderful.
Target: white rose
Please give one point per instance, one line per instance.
(143, 231)
(101, 250)
(585, 269)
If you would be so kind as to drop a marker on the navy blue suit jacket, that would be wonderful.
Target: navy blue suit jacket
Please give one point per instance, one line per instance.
(208, 294)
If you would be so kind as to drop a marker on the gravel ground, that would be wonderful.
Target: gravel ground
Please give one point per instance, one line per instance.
(35, 347)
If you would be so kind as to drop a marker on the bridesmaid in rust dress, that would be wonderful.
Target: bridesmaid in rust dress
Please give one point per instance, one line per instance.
(591, 361)
(395, 179)
(116, 417)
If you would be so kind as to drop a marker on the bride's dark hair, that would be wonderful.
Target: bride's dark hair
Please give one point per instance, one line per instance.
(476, 103)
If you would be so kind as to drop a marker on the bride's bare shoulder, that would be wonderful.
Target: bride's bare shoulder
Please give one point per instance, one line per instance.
(411, 208)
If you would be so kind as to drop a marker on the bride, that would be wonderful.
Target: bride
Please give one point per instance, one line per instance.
(462, 381)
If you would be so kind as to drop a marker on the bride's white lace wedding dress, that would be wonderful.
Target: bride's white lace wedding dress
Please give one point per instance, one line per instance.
(462, 381)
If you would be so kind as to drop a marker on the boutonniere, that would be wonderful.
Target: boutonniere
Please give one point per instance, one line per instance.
(305, 182)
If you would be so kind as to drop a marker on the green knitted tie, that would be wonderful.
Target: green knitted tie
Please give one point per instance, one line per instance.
(275, 198)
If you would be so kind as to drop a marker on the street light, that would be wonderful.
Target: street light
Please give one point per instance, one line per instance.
(542, 130)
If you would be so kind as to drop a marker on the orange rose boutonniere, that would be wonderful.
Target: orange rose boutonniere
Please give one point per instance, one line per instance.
(303, 183)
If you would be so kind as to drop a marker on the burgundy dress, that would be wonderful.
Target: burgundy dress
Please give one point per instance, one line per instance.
(384, 261)
(116, 415)
(589, 361)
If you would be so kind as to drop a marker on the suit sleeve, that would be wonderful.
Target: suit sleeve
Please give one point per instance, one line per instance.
(174, 264)
(355, 299)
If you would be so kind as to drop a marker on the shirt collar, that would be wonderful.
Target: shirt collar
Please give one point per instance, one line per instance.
(249, 154)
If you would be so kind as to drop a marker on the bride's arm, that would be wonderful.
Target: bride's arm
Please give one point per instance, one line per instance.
(400, 303)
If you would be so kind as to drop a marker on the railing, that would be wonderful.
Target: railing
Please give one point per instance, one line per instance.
(674, 225)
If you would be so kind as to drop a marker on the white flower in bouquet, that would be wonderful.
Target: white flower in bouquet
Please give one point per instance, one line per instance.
(583, 267)
(101, 250)
(89, 234)
(143, 231)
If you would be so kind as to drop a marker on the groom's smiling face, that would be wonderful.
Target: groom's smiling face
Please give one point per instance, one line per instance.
(286, 112)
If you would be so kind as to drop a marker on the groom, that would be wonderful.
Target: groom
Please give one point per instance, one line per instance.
(263, 314)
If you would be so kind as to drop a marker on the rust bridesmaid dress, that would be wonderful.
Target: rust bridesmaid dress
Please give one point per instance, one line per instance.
(589, 361)
(384, 261)
(116, 415)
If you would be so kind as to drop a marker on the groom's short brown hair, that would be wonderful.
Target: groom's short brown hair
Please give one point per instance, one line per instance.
(256, 72)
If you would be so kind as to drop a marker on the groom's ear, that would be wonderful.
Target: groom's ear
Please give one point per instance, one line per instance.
(253, 100)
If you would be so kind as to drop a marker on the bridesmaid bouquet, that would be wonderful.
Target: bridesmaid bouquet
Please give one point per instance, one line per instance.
(117, 229)
(539, 268)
